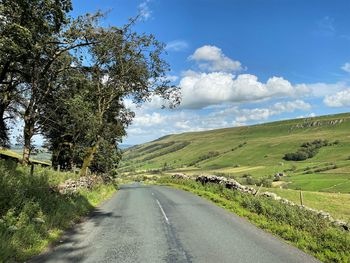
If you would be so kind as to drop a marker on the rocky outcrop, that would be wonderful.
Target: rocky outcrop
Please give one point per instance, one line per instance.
(309, 123)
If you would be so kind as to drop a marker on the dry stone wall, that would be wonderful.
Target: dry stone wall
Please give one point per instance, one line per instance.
(85, 182)
(234, 185)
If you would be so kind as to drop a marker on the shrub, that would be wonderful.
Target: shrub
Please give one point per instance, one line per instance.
(307, 150)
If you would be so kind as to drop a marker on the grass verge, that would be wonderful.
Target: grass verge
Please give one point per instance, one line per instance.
(32, 215)
(301, 228)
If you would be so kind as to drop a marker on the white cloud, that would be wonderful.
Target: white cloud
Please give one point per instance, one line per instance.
(325, 89)
(211, 58)
(176, 45)
(200, 90)
(346, 67)
(147, 119)
(340, 99)
(144, 10)
(263, 114)
(311, 115)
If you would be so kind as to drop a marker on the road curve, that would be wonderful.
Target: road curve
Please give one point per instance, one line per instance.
(161, 224)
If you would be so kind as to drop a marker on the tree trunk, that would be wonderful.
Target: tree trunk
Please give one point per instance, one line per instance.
(4, 140)
(4, 103)
(28, 134)
(89, 157)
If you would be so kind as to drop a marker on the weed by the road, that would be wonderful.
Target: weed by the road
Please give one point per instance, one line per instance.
(32, 215)
(302, 228)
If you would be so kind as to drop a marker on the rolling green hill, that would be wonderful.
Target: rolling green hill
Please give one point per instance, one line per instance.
(254, 154)
(256, 151)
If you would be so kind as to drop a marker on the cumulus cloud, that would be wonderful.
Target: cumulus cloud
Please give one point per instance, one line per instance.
(176, 45)
(211, 58)
(339, 99)
(203, 89)
(346, 67)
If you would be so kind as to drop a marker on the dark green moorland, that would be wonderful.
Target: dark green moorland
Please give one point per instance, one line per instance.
(254, 154)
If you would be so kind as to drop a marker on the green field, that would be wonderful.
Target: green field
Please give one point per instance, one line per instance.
(256, 152)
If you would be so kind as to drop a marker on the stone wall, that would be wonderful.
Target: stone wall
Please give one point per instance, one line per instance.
(85, 182)
(234, 185)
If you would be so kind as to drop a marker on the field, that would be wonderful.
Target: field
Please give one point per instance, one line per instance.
(254, 154)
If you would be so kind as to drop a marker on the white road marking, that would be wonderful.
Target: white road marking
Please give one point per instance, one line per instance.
(161, 209)
(152, 193)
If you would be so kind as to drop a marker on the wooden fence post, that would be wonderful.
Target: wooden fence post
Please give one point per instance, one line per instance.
(58, 168)
(32, 169)
(301, 198)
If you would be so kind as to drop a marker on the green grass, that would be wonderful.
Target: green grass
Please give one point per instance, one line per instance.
(299, 227)
(23, 198)
(326, 182)
(338, 205)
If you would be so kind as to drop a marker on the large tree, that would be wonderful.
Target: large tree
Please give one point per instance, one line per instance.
(122, 65)
(47, 64)
(24, 26)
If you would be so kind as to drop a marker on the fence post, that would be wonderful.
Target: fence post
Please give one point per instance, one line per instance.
(32, 169)
(257, 192)
(58, 168)
(301, 198)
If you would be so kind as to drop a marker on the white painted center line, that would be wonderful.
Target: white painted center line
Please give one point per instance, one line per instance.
(161, 209)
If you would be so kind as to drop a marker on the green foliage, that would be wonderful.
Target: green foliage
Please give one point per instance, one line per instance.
(249, 180)
(308, 150)
(107, 159)
(76, 103)
(302, 228)
(32, 214)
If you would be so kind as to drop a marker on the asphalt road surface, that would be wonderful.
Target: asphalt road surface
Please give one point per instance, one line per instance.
(160, 224)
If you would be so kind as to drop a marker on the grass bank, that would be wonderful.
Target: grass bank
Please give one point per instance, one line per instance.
(301, 228)
(32, 215)
(337, 204)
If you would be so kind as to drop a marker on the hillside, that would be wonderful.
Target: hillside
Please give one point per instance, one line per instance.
(256, 151)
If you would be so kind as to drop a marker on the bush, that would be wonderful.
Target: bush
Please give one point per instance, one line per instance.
(307, 150)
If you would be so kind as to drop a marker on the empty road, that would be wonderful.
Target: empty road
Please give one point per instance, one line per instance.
(160, 224)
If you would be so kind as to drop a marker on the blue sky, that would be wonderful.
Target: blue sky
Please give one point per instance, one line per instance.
(241, 62)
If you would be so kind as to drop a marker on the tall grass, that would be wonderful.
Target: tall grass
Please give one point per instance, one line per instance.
(32, 215)
(302, 228)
